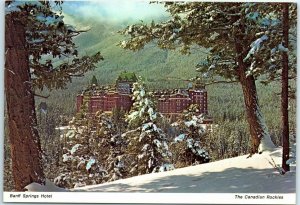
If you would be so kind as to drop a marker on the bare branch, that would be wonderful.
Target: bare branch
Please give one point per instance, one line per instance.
(41, 96)
(76, 75)
(221, 81)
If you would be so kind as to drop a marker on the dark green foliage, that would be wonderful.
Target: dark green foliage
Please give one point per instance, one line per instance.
(94, 81)
(63, 73)
(127, 76)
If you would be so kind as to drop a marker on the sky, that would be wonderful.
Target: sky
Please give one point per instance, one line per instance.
(111, 10)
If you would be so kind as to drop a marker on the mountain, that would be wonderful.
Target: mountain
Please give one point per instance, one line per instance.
(154, 64)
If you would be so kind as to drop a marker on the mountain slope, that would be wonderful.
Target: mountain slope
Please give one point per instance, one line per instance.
(154, 64)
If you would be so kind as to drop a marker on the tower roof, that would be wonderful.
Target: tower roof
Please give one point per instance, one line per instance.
(127, 77)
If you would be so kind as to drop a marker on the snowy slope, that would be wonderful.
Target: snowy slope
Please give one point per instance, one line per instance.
(235, 175)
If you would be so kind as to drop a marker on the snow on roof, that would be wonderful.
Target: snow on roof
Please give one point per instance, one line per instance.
(180, 95)
(199, 91)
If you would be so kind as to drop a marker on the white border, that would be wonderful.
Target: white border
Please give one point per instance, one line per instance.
(2, 97)
(161, 198)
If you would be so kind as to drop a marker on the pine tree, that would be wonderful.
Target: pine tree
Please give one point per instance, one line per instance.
(93, 153)
(33, 33)
(147, 143)
(235, 35)
(94, 81)
(187, 148)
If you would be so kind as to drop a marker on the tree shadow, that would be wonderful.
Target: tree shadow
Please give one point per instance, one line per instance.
(232, 180)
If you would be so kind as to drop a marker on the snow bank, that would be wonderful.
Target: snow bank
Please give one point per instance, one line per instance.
(48, 187)
(257, 174)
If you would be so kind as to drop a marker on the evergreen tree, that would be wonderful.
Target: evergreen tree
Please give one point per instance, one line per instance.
(34, 33)
(118, 119)
(234, 34)
(94, 81)
(93, 153)
(147, 143)
(187, 148)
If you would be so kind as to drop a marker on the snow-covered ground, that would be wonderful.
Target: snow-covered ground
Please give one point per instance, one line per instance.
(257, 174)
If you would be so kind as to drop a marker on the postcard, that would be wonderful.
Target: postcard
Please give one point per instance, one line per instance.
(186, 102)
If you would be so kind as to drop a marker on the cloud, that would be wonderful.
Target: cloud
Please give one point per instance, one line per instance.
(113, 10)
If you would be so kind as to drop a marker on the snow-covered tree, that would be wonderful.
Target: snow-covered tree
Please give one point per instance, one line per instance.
(233, 33)
(81, 163)
(93, 153)
(188, 147)
(274, 49)
(143, 107)
(35, 34)
(147, 143)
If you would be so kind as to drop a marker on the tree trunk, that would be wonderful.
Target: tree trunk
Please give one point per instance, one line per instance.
(285, 90)
(260, 137)
(25, 144)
